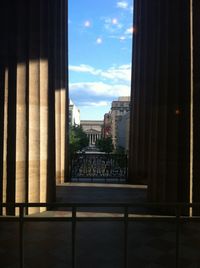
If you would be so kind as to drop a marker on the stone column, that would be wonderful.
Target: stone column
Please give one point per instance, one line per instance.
(44, 103)
(4, 182)
(57, 89)
(195, 67)
(34, 106)
(31, 31)
(63, 94)
(21, 107)
(159, 127)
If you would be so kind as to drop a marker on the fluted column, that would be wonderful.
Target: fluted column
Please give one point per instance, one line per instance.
(44, 104)
(63, 93)
(160, 115)
(31, 33)
(21, 107)
(34, 106)
(4, 181)
(195, 72)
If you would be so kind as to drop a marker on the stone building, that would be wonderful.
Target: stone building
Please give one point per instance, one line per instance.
(119, 107)
(124, 131)
(107, 125)
(93, 129)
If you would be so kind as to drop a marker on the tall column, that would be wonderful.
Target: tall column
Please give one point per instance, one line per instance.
(160, 123)
(44, 104)
(21, 107)
(34, 106)
(57, 52)
(31, 31)
(4, 181)
(195, 67)
(63, 94)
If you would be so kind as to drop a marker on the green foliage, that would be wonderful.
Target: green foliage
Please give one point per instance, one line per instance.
(105, 145)
(120, 150)
(77, 139)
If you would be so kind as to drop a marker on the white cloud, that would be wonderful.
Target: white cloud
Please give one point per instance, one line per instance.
(83, 68)
(122, 73)
(100, 89)
(96, 104)
(114, 74)
(122, 4)
(112, 24)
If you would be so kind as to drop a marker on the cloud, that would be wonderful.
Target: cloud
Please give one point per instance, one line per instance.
(95, 104)
(122, 4)
(83, 68)
(114, 74)
(122, 73)
(99, 89)
(112, 25)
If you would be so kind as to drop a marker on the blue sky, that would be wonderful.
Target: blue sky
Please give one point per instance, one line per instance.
(100, 44)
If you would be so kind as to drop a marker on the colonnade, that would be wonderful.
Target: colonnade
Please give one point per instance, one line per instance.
(33, 99)
(93, 138)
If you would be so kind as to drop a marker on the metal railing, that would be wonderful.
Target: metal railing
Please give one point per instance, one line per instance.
(125, 216)
(99, 166)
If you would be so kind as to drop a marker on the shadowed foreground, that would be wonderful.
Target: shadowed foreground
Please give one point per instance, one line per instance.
(99, 244)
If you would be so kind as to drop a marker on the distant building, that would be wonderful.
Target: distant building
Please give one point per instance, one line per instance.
(74, 114)
(107, 125)
(123, 131)
(93, 129)
(119, 108)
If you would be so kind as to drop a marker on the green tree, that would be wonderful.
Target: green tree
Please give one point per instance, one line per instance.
(105, 145)
(120, 150)
(77, 139)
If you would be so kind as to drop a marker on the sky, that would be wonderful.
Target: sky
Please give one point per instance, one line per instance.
(100, 49)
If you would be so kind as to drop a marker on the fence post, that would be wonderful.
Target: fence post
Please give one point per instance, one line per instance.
(177, 234)
(73, 237)
(125, 236)
(21, 235)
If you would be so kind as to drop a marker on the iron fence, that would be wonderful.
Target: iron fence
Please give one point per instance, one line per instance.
(178, 215)
(99, 166)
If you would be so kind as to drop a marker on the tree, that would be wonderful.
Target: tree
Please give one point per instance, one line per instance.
(105, 145)
(77, 139)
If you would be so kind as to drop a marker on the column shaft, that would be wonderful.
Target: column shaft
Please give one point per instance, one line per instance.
(34, 107)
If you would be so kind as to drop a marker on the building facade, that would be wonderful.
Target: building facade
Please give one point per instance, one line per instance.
(107, 125)
(124, 131)
(93, 129)
(74, 114)
(119, 108)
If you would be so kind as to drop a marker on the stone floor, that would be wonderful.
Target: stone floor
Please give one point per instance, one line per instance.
(99, 244)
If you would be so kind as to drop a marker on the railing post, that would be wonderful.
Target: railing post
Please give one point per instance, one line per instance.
(177, 234)
(21, 235)
(125, 236)
(73, 237)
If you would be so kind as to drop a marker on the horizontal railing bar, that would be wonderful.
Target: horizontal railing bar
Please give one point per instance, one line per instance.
(102, 204)
(69, 219)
